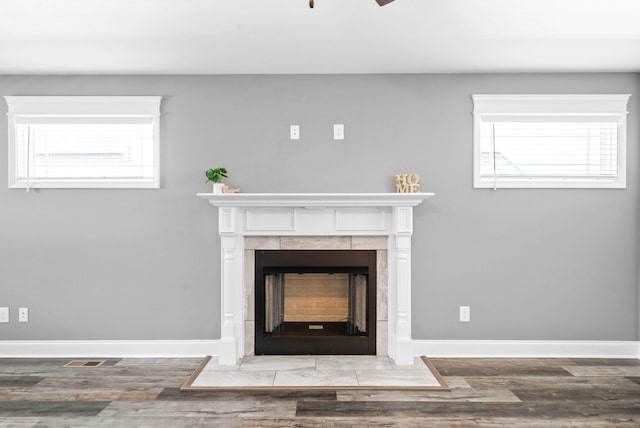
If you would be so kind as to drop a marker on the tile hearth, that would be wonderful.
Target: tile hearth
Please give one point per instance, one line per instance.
(315, 371)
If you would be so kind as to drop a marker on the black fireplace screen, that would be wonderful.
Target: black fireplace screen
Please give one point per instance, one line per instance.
(315, 302)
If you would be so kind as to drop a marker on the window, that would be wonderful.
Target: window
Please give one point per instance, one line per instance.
(84, 142)
(549, 141)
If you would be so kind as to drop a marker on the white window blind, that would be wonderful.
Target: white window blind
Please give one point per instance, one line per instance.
(84, 142)
(549, 141)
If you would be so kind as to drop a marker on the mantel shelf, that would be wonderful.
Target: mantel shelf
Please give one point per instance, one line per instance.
(315, 200)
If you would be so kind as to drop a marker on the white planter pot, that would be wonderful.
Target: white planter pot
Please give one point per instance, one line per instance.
(217, 188)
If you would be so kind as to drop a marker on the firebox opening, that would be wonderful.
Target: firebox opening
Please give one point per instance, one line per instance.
(315, 302)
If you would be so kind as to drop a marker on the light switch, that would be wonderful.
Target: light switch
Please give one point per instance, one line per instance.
(4, 314)
(465, 314)
(338, 131)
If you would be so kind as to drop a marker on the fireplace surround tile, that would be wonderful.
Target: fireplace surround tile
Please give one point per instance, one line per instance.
(382, 295)
(369, 242)
(315, 243)
(249, 286)
(382, 337)
(262, 243)
(249, 337)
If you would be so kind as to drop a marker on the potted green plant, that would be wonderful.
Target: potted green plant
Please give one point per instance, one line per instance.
(215, 175)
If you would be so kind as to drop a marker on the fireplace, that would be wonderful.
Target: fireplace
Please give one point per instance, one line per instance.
(316, 221)
(315, 302)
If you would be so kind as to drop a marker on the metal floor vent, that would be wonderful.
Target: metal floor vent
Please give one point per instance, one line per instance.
(85, 363)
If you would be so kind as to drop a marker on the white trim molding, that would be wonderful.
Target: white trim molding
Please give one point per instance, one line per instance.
(430, 348)
(527, 348)
(544, 104)
(107, 348)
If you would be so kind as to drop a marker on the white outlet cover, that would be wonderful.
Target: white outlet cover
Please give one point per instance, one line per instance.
(23, 314)
(4, 315)
(294, 132)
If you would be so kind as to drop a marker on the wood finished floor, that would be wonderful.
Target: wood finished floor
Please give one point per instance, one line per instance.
(484, 392)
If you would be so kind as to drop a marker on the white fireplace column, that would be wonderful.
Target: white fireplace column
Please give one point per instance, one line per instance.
(231, 272)
(401, 343)
(315, 214)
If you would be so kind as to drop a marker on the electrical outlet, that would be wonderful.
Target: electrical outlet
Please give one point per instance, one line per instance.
(4, 315)
(23, 314)
(465, 313)
(294, 132)
(338, 131)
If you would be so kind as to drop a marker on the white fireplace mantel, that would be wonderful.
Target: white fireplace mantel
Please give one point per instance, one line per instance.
(316, 214)
(316, 200)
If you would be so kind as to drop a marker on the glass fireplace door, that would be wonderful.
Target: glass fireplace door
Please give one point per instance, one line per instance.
(315, 302)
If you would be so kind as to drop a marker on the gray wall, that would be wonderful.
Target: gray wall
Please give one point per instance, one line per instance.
(144, 264)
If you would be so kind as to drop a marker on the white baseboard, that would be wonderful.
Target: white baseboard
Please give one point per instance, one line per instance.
(107, 348)
(527, 348)
(431, 348)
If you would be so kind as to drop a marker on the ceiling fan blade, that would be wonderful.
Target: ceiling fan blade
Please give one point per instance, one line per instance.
(383, 2)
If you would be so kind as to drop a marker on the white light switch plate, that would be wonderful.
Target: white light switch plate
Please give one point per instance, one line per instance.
(465, 314)
(338, 131)
(4, 314)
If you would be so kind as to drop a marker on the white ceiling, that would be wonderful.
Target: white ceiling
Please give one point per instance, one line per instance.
(337, 36)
